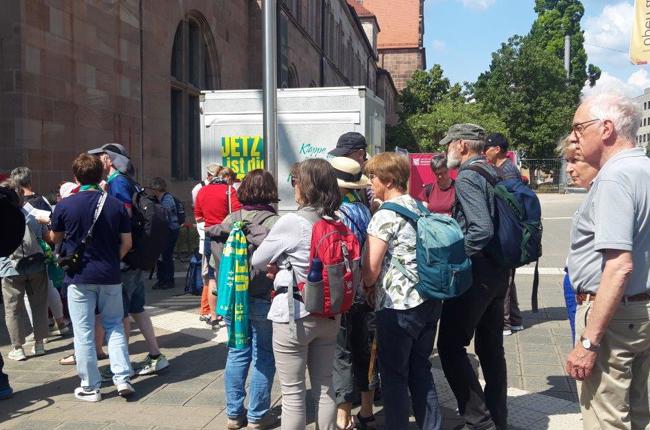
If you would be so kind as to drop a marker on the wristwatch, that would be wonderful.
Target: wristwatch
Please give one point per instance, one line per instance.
(588, 345)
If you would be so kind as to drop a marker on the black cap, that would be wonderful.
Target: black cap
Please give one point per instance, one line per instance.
(497, 139)
(347, 143)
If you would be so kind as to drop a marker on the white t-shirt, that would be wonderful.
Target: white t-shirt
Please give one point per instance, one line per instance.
(200, 226)
(394, 290)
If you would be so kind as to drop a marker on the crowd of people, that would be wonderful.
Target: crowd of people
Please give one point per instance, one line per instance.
(382, 343)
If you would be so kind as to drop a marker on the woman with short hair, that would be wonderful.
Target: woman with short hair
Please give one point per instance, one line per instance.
(406, 322)
(440, 195)
(313, 342)
(257, 194)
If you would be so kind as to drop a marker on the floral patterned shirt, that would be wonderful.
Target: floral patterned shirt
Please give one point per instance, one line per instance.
(394, 290)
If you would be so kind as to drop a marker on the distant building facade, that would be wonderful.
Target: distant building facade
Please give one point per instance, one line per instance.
(643, 135)
(75, 75)
(400, 41)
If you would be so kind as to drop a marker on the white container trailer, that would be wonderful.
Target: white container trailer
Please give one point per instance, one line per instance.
(310, 121)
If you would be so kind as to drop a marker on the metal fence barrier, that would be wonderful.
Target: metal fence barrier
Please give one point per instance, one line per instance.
(546, 175)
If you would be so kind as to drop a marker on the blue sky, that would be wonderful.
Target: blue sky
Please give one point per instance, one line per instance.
(462, 34)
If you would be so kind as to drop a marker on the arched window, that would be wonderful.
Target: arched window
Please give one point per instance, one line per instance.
(294, 80)
(193, 69)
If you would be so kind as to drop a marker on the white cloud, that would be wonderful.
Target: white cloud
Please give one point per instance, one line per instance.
(478, 4)
(438, 46)
(607, 35)
(632, 87)
(640, 79)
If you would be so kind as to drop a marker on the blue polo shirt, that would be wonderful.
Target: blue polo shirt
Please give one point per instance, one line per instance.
(120, 187)
(101, 261)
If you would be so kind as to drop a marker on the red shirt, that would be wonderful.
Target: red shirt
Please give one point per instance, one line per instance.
(212, 203)
(439, 201)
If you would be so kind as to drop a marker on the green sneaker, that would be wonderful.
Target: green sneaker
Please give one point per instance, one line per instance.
(153, 365)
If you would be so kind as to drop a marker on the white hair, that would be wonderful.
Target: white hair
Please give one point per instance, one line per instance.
(624, 113)
(475, 145)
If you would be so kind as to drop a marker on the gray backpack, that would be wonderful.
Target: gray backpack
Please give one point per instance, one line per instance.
(29, 253)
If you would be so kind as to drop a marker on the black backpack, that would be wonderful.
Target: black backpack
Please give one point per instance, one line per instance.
(150, 229)
(180, 210)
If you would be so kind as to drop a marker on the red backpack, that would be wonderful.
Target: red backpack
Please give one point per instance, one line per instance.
(330, 291)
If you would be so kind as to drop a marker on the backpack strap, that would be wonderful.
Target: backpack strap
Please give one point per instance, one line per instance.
(411, 217)
(476, 167)
(401, 210)
(428, 188)
(312, 216)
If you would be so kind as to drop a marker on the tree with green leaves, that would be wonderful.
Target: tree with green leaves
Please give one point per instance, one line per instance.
(430, 105)
(526, 84)
(526, 88)
(425, 89)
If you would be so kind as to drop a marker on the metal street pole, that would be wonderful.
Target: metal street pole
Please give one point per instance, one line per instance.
(270, 112)
(567, 55)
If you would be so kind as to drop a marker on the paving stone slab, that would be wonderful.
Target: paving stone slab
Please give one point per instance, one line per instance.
(83, 425)
(544, 358)
(32, 424)
(169, 397)
(542, 370)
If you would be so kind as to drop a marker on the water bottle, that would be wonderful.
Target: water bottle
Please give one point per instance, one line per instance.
(316, 273)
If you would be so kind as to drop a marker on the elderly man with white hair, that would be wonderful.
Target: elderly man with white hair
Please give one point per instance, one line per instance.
(609, 265)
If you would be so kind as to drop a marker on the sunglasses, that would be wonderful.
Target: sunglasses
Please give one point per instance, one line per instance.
(294, 181)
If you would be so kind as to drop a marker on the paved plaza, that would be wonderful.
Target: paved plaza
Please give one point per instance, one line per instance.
(190, 393)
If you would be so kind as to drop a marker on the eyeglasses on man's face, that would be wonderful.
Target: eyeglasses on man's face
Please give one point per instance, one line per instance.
(580, 127)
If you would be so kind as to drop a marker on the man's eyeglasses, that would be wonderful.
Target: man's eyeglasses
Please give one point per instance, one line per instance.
(580, 127)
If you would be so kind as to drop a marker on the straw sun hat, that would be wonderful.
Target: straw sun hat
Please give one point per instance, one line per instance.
(348, 173)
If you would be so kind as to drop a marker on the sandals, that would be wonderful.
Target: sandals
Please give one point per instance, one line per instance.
(70, 360)
(364, 423)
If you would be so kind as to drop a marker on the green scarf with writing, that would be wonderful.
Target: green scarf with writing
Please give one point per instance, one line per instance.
(232, 284)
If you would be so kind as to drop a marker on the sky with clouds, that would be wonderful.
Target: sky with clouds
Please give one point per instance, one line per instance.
(461, 35)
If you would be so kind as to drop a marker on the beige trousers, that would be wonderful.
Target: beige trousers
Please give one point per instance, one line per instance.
(14, 289)
(312, 347)
(615, 396)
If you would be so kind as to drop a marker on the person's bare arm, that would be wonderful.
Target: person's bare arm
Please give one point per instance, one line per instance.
(373, 257)
(55, 237)
(616, 273)
(126, 242)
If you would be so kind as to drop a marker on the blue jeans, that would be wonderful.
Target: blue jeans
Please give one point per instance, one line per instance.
(405, 340)
(260, 354)
(82, 301)
(166, 261)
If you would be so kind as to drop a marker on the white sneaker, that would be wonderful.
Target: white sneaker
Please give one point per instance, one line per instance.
(125, 389)
(87, 395)
(507, 332)
(17, 354)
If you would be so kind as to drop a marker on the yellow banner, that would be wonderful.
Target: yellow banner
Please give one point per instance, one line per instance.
(640, 42)
(243, 153)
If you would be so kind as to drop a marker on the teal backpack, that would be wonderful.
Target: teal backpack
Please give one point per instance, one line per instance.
(444, 270)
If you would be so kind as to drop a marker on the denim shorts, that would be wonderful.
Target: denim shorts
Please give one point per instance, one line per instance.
(132, 291)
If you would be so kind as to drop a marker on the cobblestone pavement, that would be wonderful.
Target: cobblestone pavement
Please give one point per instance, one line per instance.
(190, 394)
